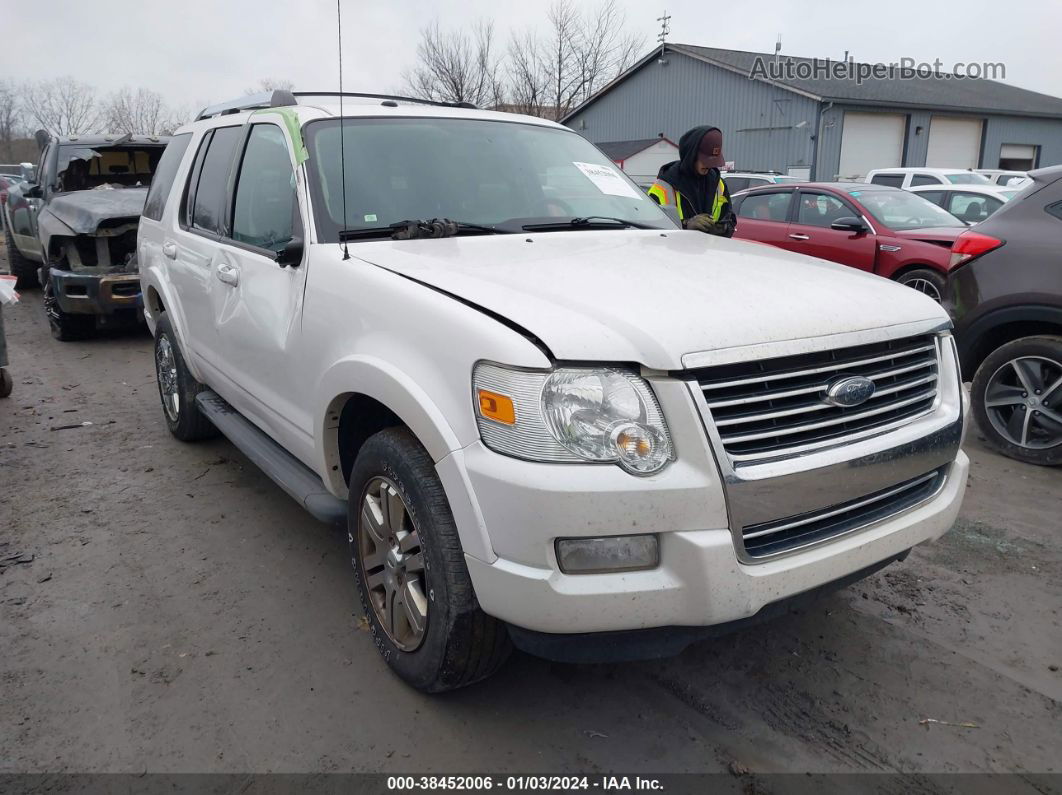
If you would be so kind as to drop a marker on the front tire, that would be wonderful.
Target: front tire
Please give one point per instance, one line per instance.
(64, 326)
(926, 281)
(410, 570)
(178, 388)
(22, 268)
(1017, 399)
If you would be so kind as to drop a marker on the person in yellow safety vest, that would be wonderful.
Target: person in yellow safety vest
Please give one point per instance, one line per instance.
(695, 186)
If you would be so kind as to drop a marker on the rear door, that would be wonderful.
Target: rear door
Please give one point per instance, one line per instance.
(194, 248)
(259, 306)
(810, 231)
(764, 215)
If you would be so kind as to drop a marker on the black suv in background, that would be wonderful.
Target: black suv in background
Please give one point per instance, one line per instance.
(1005, 296)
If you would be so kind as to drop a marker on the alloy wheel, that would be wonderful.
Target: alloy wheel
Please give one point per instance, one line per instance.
(1023, 401)
(166, 371)
(925, 287)
(392, 564)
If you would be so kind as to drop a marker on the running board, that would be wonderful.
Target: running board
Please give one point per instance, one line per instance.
(297, 479)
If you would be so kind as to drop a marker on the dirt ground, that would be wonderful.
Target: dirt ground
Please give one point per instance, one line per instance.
(165, 608)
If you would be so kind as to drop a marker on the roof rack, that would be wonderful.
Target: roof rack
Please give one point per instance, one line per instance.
(282, 99)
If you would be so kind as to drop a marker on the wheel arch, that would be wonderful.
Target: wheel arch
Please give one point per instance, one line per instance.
(1003, 326)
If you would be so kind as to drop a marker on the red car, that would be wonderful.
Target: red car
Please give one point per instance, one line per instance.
(876, 228)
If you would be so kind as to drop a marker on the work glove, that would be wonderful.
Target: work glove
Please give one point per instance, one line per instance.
(704, 223)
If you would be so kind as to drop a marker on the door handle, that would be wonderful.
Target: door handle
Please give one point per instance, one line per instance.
(800, 237)
(229, 274)
(169, 248)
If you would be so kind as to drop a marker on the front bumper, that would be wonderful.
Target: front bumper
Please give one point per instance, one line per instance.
(91, 294)
(697, 507)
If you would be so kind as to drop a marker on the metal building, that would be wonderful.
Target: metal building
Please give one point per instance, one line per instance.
(802, 121)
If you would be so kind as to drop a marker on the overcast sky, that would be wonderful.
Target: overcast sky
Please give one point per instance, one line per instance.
(195, 51)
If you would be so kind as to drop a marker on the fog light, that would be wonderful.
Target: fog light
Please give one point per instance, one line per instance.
(611, 554)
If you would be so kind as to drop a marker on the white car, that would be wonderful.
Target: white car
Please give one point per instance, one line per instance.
(1002, 177)
(915, 176)
(969, 203)
(556, 420)
(742, 180)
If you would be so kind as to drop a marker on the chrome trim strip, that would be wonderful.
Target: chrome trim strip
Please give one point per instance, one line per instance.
(848, 506)
(898, 354)
(889, 390)
(812, 426)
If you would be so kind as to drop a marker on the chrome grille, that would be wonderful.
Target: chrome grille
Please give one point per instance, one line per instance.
(784, 535)
(774, 408)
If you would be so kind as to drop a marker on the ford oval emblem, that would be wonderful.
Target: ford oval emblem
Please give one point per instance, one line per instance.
(849, 392)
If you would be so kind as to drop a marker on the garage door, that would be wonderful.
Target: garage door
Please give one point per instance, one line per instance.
(954, 143)
(870, 140)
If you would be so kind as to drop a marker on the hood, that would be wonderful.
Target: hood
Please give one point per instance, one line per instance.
(942, 234)
(84, 210)
(650, 298)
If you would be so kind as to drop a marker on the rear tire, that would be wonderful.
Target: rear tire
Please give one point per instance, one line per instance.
(410, 570)
(926, 281)
(178, 388)
(22, 268)
(1016, 420)
(6, 382)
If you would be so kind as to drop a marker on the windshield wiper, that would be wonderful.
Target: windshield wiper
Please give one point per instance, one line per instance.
(421, 229)
(604, 221)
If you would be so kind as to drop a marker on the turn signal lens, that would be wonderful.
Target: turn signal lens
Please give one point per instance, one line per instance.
(971, 244)
(497, 407)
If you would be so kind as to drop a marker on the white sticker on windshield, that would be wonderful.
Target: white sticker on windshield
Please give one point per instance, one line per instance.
(608, 180)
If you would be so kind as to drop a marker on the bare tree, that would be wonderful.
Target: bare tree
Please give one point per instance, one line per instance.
(271, 84)
(63, 106)
(139, 112)
(583, 51)
(456, 67)
(10, 119)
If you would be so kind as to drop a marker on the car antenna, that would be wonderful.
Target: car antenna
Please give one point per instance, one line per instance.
(342, 138)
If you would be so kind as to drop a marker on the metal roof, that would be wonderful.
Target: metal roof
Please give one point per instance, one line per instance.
(621, 150)
(941, 93)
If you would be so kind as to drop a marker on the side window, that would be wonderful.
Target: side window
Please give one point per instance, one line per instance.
(734, 184)
(819, 209)
(266, 208)
(969, 207)
(924, 179)
(765, 206)
(208, 205)
(1055, 210)
(892, 180)
(165, 174)
(935, 196)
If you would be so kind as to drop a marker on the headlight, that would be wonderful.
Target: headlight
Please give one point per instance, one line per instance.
(606, 415)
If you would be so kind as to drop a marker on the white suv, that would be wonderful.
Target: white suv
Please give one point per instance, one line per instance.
(555, 419)
(915, 176)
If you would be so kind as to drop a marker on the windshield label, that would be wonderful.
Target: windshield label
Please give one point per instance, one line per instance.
(607, 180)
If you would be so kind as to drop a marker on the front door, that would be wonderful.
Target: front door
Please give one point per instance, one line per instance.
(258, 298)
(810, 231)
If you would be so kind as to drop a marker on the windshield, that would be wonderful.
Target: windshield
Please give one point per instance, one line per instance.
(968, 178)
(788, 179)
(900, 210)
(1008, 194)
(498, 174)
(86, 167)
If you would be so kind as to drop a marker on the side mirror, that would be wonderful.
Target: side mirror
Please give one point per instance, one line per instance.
(33, 192)
(849, 224)
(291, 254)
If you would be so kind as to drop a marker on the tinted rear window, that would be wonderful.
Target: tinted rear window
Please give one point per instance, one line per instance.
(165, 173)
(893, 180)
(209, 199)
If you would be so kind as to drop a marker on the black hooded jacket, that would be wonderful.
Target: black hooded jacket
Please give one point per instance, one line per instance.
(697, 192)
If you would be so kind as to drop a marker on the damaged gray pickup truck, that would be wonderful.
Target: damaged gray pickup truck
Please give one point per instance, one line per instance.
(75, 228)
